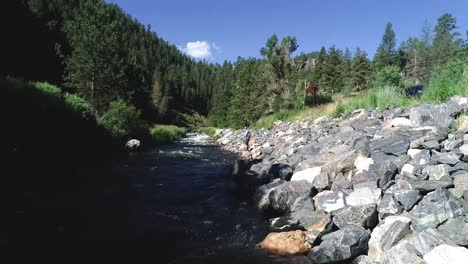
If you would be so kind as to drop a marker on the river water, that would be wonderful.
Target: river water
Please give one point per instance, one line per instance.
(173, 204)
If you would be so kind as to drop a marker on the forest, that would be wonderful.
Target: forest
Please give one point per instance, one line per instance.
(109, 61)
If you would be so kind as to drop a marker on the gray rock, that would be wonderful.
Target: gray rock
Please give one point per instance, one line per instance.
(461, 184)
(340, 183)
(329, 201)
(447, 158)
(317, 224)
(430, 185)
(402, 253)
(420, 156)
(387, 172)
(404, 193)
(435, 208)
(280, 170)
(388, 206)
(396, 146)
(283, 197)
(451, 145)
(427, 239)
(364, 215)
(456, 229)
(437, 172)
(262, 194)
(341, 246)
(391, 230)
(431, 144)
(432, 115)
(322, 181)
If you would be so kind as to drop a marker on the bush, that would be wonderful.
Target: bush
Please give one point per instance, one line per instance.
(387, 76)
(165, 134)
(80, 106)
(123, 121)
(446, 81)
(47, 88)
(210, 131)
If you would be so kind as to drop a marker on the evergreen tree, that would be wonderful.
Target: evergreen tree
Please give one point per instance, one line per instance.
(445, 42)
(345, 70)
(360, 71)
(332, 79)
(386, 52)
(317, 73)
(96, 67)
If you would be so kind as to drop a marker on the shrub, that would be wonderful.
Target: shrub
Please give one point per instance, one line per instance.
(388, 76)
(48, 88)
(80, 106)
(123, 120)
(339, 110)
(446, 81)
(165, 134)
(210, 131)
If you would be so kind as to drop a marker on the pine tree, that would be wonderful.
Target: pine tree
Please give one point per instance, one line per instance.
(345, 69)
(360, 71)
(317, 73)
(332, 79)
(386, 52)
(445, 42)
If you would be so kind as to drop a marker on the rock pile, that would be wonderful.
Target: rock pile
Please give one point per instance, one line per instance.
(368, 187)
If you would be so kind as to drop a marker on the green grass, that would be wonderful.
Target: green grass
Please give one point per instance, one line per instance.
(210, 131)
(166, 134)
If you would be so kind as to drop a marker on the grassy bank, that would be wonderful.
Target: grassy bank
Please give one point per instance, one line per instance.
(166, 134)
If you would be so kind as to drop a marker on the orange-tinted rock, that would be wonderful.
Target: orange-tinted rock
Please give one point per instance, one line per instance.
(286, 243)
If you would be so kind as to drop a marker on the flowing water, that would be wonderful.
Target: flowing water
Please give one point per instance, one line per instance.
(179, 205)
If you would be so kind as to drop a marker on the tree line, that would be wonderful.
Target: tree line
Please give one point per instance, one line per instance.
(98, 52)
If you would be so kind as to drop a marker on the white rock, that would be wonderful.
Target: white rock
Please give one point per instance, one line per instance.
(307, 174)
(401, 122)
(445, 254)
(133, 144)
(329, 201)
(464, 149)
(407, 169)
(364, 195)
(320, 120)
(362, 163)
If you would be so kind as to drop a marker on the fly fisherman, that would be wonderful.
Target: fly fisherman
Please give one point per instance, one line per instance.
(246, 136)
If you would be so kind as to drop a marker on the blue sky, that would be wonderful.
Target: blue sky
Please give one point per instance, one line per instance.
(220, 30)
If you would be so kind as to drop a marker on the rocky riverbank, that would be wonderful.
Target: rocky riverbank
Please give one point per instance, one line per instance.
(367, 187)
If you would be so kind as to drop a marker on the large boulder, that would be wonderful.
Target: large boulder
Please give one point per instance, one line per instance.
(434, 115)
(341, 246)
(402, 253)
(364, 215)
(445, 254)
(317, 223)
(280, 170)
(404, 193)
(456, 229)
(388, 206)
(437, 172)
(427, 239)
(307, 174)
(262, 194)
(283, 197)
(286, 243)
(434, 209)
(387, 234)
(395, 146)
(431, 185)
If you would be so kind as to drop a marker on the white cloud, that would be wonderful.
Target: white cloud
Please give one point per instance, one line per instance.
(198, 49)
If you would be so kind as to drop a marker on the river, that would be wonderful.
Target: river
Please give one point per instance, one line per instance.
(178, 205)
